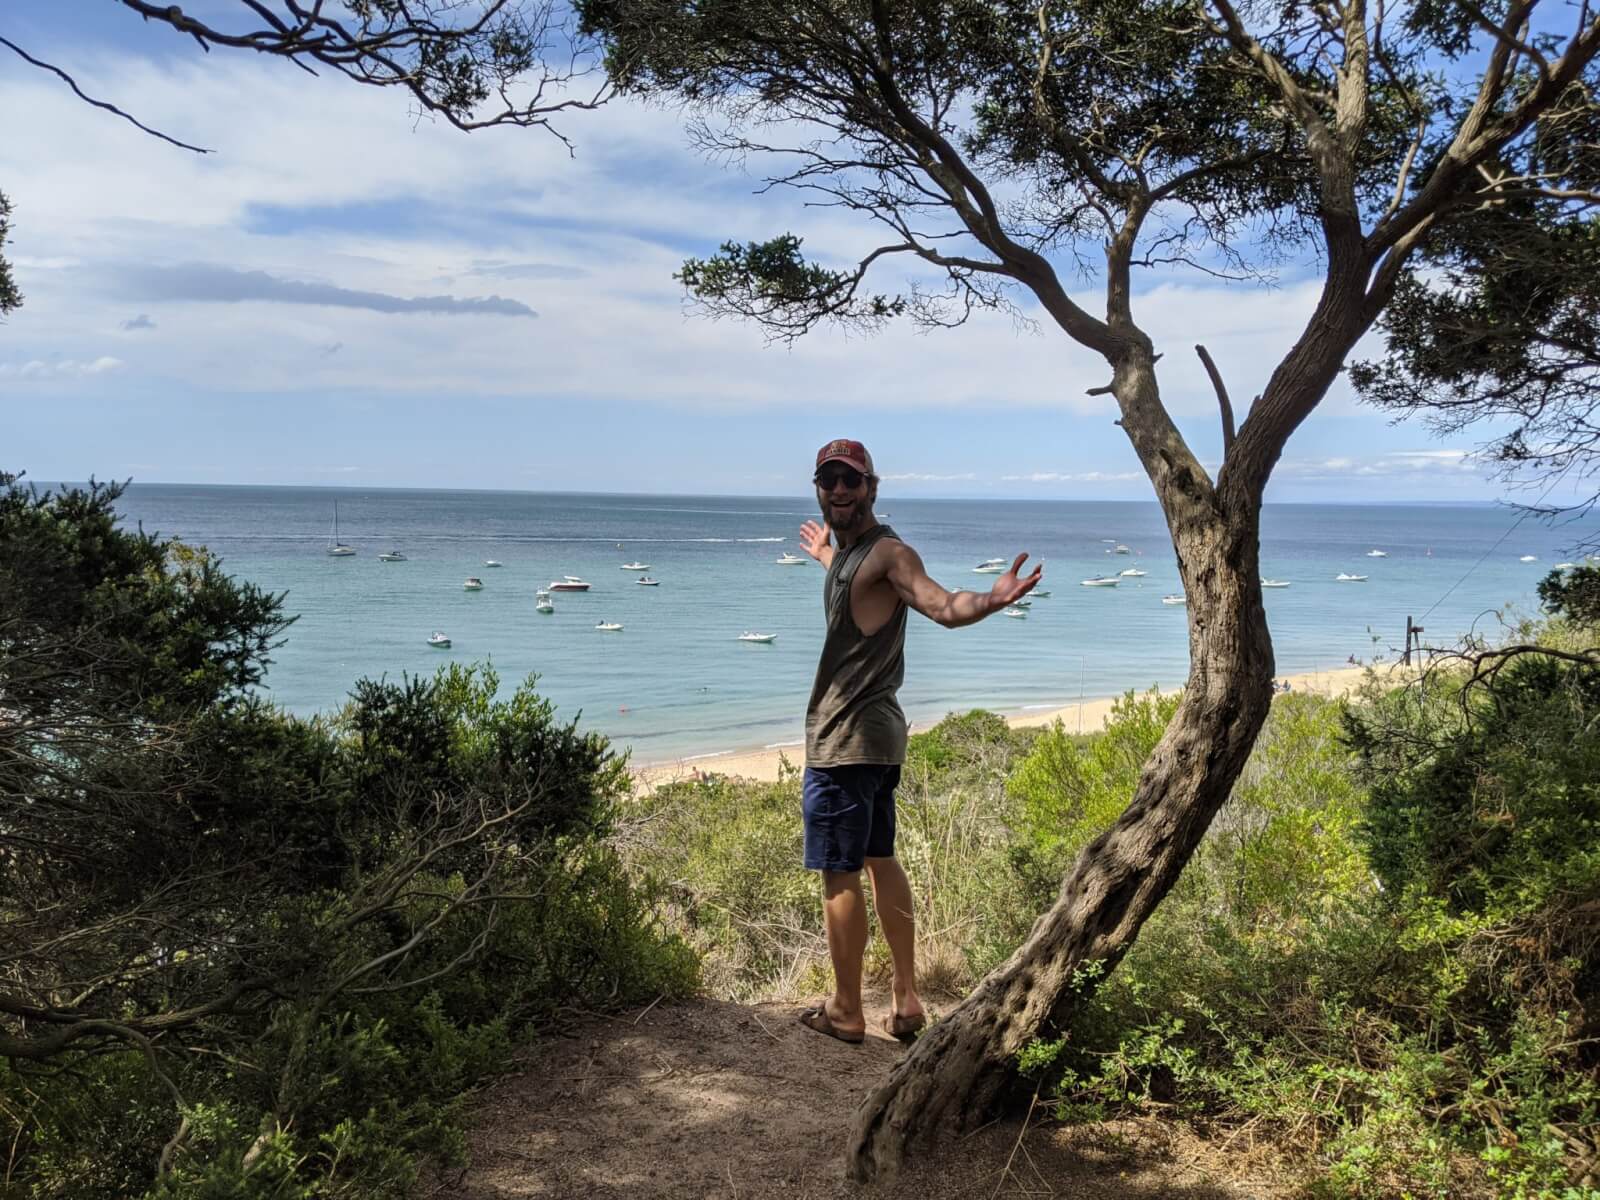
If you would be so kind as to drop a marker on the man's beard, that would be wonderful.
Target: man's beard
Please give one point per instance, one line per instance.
(851, 518)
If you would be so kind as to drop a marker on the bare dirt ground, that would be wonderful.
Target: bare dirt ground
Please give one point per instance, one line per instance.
(710, 1100)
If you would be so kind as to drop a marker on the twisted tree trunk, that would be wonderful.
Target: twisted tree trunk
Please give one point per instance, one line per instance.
(955, 1071)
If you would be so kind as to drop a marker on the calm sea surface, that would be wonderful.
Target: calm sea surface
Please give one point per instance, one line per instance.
(675, 682)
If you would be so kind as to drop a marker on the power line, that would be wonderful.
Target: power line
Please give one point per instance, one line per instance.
(1526, 513)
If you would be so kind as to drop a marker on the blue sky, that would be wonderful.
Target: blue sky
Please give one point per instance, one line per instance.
(343, 294)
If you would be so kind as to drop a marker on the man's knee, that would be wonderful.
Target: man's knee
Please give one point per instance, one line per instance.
(835, 882)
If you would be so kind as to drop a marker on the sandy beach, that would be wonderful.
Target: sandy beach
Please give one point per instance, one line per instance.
(1089, 717)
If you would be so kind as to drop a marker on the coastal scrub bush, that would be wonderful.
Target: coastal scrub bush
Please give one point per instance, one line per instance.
(1384, 952)
(253, 955)
(1069, 789)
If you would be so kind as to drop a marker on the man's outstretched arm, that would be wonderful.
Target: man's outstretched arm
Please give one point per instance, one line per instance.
(911, 581)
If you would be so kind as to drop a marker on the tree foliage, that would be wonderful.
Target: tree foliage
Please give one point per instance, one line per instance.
(1494, 327)
(1574, 594)
(10, 297)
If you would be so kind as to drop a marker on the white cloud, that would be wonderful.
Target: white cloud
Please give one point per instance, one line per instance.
(1390, 464)
(64, 368)
(1074, 477)
(926, 477)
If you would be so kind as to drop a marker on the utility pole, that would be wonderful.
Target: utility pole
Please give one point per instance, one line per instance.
(1413, 635)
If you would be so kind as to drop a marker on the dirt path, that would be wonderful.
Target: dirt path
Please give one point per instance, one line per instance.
(709, 1100)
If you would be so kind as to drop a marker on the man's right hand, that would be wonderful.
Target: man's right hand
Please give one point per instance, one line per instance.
(815, 541)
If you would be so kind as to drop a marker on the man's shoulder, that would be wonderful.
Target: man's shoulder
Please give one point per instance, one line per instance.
(887, 550)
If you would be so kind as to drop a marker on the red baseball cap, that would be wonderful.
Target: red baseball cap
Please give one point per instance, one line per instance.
(852, 454)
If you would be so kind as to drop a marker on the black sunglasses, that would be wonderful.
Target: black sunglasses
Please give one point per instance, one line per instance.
(826, 479)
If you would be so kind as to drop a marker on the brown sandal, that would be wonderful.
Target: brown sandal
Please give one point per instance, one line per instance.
(904, 1029)
(816, 1017)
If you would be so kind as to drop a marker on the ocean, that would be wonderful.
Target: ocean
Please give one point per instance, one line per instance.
(675, 683)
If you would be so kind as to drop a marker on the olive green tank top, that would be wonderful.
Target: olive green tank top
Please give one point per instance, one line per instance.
(853, 716)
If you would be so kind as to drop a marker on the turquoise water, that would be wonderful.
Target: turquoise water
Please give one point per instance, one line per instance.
(675, 682)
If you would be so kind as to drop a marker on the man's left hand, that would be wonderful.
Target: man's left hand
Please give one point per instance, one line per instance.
(1012, 586)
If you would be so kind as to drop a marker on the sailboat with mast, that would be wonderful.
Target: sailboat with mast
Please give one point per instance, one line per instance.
(336, 548)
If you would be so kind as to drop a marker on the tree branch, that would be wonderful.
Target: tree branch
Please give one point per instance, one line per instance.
(109, 107)
(1222, 398)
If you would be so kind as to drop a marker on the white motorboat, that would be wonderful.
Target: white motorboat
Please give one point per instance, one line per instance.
(473, 584)
(439, 640)
(541, 603)
(336, 548)
(568, 583)
(1039, 594)
(390, 556)
(1024, 602)
(1101, 581)
(991, 566)
(1119, 548)
(1174, 599)
(646, 581)
(1133, 573)
(609, 626)
(790, 560)
(1528, 558)
(1377, 554)
(1342, 577)
(493, 562)
(636, 566)
(1014, 612)
(1266, 583)
(763, 638)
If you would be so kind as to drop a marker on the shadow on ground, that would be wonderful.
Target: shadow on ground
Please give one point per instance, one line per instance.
(709, 1100)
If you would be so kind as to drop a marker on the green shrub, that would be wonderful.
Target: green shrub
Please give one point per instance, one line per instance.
(271, 955)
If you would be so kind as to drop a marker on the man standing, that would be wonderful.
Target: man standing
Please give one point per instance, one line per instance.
(856, 733)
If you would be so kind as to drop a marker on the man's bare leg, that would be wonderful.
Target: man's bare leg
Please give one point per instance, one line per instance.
(891, 895)
(844, 916)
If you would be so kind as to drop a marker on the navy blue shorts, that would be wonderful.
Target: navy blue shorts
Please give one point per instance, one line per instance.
(849, 815)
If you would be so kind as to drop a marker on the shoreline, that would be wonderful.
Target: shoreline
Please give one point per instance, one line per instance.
(762, 763)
